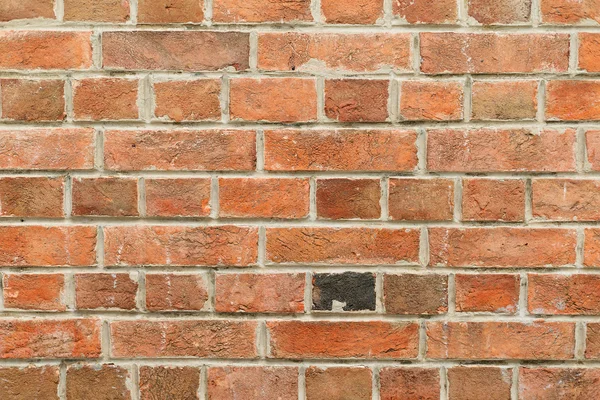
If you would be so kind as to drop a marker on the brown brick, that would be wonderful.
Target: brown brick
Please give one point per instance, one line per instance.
(566, 199)
(493, 200)
(96, 10)
(26, 9)
(184, 197)
(98, 382)
(504, 100)
(431, 101)
(170, 11)
(338, 383)
(259, 11)
(31, 197)
(169, 383)
(193, 100)
(34, 291)
(105, 196)
(355, 12)
(421, 199)
(93, 291)
(500, 12)
(18, 383)
(409, 383)
(33, 100)
(356, 100)
(498, 293)
(348, 198)
(172, 292)
(479, 383)
(414, 294)
(425, 11)
(232, 383)
(105, 99)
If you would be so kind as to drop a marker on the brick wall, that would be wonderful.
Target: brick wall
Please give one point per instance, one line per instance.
(296, 199)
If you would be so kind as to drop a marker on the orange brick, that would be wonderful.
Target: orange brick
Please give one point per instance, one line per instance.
(592, 139)
(493, 200)
(566, 199)
(356, 100)
(572, 100)
(31, 197)
(32, 100)
(589, 46)
(263, 198)
(498, 293)
(348, 198)
(26, 9)
(558, 383)
(421, 199)
(273, 99)
(425, 11)
(96, 10)
(34, 291)
(409, 383)
(500, 12)
(338, 383)
(591, 254)
(18, 383)
(230, 383)
(592, 344)
(105, 99)
(563, 294)
(172, 292)
(105, 196)
(355, 12)
(178, 197)
(196, 100)
(504, 100)
(96, 291)
(479, 383)
(170, 11)
(431, 101)
(259, 11)
(569, 12)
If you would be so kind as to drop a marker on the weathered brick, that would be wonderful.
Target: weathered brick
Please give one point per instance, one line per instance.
(348, 291)
(421, 199)
(572, 100)
(493, 200)
(367, 246)
(263, 198)
(191, 100)
(169, 383)
(96, 10)
(34, 291)
(592, 344)
(592, 139)
(172, 292)
(536, 340)
(493, 53)
(98, 382)
(34, 246)
(47, 149)
(492, 150)
(324, 339)
(26, 9)
(558, 383)
(563, 294)
(171, 150)
(504, 100)
(31, 197)
(185, 197)
(589, 46)
(356, 100)
(273, 99)
(479, 383)
(231, 383)
(180, 245)
(348, 198)
(497, 293)
(501, 247)
(338, 383)
(409, 383)
(591, 254)
(105, 99)
(23, 339)
(169, 50)
(355, 12)
(189, 338)
(569, 12)
(18, 383)
(431, 101)
(105, 196)
(566, 199)
(259, 11)
(348, 52)
(45, 50)
(259, 293)
(94, 291)
(500, 12)
(340, 150)
(170, 11)
(425, 11)
(33, 100)
(415, 294)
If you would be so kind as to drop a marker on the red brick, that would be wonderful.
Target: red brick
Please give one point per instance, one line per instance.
(173, 292)
(589, 46)
(355, 12)
(170, 50)
(338, 383)
(45, 338)
(421, 199)
(105, 196)
(535, 340)
(26, 9)
(490, 53)
(98, 382)
(558, 383)
(350, 52)
(189, 338)
(105, 99)
(409, 383)
(431, 101)
(592, 345)
(479, 383)
(493, 200)
(169, 383)
(192, 100)
(26, 383)
(500, 12)
(497, 293)
(180, 245)
(170, 11)
(96, 10)
(367, 246)
(348, 198)
(45, 50)
(572, 100)
(231, 383)
(566, 199)
(504, 100)
(94, 291)
(263, 198)
(563, 294)
(501, 247)
(356, 100)
(491, 150)
(569, 12)
(35, 246)
(259, 11)
(591, 255)
(340, 150)
(324, 339)
(414, 294)
(34, 291)
(33, 100)
(592, 139)
(171, 150)
(273, 99)
(425, 11)
(259, 293)
(47, 149)
(31, 197)
(186, 197)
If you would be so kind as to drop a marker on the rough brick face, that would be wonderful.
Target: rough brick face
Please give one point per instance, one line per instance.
(299, 199)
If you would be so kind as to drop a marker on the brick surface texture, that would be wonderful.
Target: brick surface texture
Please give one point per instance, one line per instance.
(299, 199)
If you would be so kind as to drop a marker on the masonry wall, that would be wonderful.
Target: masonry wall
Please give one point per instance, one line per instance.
(294, 199)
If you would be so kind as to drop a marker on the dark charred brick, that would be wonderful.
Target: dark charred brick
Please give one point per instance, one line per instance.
(355, 290)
